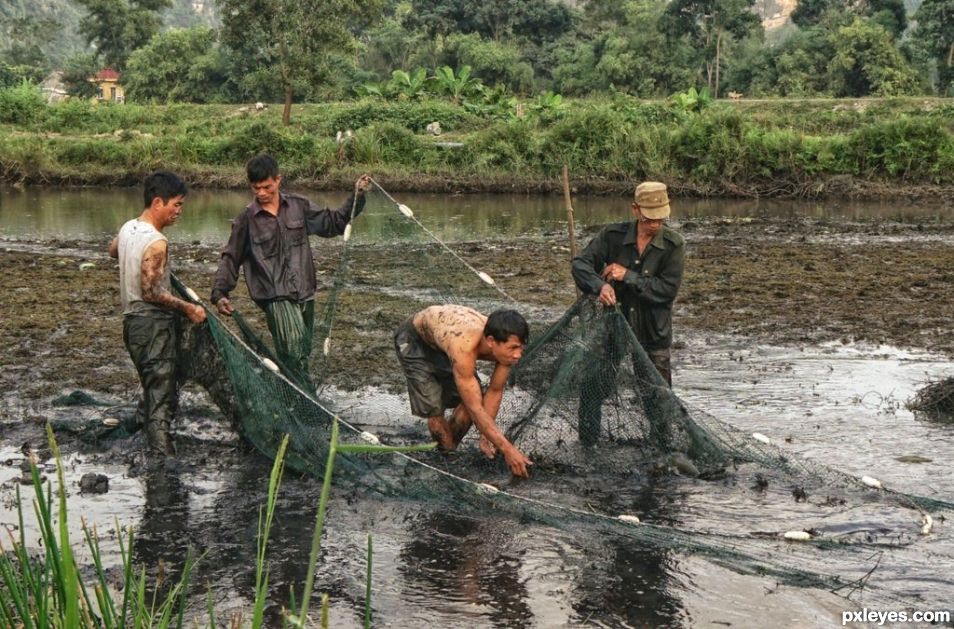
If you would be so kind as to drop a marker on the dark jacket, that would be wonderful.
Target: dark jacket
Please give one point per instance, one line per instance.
(649, 288)
(274, 251)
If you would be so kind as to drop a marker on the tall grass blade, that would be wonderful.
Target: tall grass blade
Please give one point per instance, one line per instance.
(71, 585)
(264, 530)
(319, 521)
(367, 587)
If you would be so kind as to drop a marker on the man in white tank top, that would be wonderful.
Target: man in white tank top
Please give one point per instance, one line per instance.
(150, 310)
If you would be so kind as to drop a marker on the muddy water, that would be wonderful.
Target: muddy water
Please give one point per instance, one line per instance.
(838, 404)
(94, 213)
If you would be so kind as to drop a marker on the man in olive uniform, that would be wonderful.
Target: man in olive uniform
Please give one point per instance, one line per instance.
(638, 265)
(269, 242)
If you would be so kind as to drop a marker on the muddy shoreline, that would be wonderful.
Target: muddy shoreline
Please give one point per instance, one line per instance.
(796, 282)
(838, 187)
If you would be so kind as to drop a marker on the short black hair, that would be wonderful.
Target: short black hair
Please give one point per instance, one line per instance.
(502, 324)
(261, 167)
(162, 184)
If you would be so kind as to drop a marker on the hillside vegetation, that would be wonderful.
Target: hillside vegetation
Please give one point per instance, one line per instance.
(779, 148)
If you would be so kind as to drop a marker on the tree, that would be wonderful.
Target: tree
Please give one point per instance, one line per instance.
(292, 43)
(890, 14)
(118, 27)
(499, 20)
(622, 47)
(810, 12)
(867, 62)
(23, 39)
(76, 75)
(181, 65)
(935, 34)
(493, 63)
(712, 25)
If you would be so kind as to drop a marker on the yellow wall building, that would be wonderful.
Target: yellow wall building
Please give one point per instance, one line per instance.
(109, 89)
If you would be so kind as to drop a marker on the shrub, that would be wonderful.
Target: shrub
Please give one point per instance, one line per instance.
(385, 143)
(413, 116)
(505, 145)
(74, 114)
(22, 105)
(906, 148)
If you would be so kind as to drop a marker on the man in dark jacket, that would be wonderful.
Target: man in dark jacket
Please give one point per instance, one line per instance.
(269, 241)
(638, 265)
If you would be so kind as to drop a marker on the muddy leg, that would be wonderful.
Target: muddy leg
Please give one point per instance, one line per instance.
(442, 433)
(459, 423)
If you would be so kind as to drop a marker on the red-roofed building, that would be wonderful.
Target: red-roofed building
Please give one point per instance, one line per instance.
(108, 87)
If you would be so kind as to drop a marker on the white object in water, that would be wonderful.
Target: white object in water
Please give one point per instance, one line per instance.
(326, 346)
(112, 422)
(405, 210)
(798, 536)
(347, 232)
(370, 437)
(486, 278)
(760, 437)
(191, 294)
(268, 363)
(872, 482)
(927, 523)
(86, 266)
(486, 488)
(629, 519)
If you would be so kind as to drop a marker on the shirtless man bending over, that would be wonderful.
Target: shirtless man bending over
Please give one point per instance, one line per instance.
(438, 349)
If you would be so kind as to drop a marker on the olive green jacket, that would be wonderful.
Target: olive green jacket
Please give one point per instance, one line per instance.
(649, 288)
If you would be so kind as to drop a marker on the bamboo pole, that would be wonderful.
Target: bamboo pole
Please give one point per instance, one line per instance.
(569, 211)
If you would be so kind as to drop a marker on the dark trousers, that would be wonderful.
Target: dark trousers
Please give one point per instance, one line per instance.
(152, 344)
(292, 326)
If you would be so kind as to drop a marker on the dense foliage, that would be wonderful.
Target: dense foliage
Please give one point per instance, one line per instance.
(283, 51)
(492, 142)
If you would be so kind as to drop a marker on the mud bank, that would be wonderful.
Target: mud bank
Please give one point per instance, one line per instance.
(785, 282)
(835, 187)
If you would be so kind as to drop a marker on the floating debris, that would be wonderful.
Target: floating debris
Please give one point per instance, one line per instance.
(370, 437)
(405, 210)
(797, 536)
(486, 278)
(631, 519)
(761, 438)
(872, 482)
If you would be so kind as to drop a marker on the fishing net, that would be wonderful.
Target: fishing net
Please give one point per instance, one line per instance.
(585, 403)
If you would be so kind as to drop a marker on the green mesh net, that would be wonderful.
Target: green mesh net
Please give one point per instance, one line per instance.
(585, 403)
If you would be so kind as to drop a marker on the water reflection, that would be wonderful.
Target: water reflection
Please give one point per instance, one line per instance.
(98, 213)
(470, 562)
(627, 583)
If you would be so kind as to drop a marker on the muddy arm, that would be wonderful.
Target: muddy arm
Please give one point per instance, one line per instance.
(153, 266)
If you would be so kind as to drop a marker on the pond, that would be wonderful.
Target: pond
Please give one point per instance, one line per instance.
(77, 214)
(840, 405)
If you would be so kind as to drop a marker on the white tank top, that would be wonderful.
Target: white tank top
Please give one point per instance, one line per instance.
(134, 238)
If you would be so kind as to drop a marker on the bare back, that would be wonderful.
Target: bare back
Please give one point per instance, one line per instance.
(454, 330)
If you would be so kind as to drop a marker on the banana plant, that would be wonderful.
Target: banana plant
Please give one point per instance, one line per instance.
(457, 86)
(408, 85)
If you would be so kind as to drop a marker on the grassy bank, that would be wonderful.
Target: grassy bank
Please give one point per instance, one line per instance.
(747, 148)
